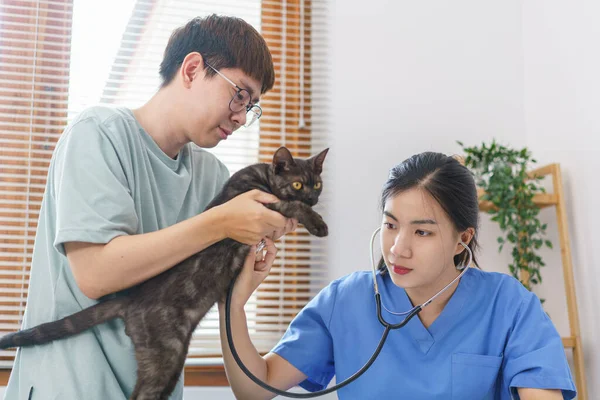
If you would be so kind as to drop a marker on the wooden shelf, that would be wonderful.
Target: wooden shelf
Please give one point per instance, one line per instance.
(568, 342)
(557, 200)
(541, 200)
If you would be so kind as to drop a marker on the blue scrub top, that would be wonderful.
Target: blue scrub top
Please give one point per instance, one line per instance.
(492, 337)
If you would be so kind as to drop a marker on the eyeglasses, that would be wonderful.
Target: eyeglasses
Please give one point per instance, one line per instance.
(241, 100)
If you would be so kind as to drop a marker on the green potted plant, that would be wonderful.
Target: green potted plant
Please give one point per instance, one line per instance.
(502, 174)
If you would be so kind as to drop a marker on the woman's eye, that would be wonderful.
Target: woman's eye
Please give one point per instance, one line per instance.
(422, 233)
(388, 225)
(297, 185)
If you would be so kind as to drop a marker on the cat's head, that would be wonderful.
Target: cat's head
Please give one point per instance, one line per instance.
(295, 178)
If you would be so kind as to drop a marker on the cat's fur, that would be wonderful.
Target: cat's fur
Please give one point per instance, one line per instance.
(161, 314)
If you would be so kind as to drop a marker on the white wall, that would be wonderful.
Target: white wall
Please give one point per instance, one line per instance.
(409, 77)
(414, 76)
(562, 114)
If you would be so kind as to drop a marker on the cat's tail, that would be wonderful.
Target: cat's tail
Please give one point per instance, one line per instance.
(68, 326)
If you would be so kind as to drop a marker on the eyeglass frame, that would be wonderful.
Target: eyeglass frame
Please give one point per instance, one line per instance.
(249, 107)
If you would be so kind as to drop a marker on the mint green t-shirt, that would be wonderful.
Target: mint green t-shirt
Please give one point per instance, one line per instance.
(107, 178)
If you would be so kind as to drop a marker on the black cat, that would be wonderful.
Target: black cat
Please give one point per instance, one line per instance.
(162, 313)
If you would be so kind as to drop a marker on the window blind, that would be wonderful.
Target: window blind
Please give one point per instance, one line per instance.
(34, 81)
(58, 57)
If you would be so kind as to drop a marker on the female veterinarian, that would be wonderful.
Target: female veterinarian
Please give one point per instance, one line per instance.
(485, 337)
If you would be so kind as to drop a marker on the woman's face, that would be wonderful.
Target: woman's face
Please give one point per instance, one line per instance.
(418, 241)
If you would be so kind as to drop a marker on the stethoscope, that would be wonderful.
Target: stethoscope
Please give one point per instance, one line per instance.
(388, 327)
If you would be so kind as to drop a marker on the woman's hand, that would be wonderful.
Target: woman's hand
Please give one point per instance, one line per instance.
(256, 268)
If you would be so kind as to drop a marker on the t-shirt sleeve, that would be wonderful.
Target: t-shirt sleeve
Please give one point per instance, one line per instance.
(93, 201)
(307, 343)
(534, 354)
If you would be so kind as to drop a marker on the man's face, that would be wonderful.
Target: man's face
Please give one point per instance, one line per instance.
(209, 117)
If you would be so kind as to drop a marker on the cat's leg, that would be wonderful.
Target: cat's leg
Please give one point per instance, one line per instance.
(158, 371)
(160, 350)
(174, 379)
(308, 217)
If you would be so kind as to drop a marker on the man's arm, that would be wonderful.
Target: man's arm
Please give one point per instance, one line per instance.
(101, 269)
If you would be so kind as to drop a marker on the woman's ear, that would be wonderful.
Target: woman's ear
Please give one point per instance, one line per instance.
(466, 238)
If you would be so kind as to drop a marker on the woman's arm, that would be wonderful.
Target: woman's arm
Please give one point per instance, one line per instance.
(272, 369)
(539, 394)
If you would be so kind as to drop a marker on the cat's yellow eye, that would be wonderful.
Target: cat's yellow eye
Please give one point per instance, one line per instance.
(297, 185)
(317, 185)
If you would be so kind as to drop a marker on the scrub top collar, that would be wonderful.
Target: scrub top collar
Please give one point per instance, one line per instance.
(396, 300)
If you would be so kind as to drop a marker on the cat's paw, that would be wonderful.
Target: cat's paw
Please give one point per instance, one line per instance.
(321, 231)
(317, 227)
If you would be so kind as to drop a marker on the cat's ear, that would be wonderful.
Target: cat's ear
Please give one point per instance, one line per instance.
(282, 160)
(318, 161)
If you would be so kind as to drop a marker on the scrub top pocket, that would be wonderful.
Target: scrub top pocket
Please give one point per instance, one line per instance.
(474, 376)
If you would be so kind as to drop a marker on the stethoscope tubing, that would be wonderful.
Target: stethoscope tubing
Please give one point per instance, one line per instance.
(409, 315)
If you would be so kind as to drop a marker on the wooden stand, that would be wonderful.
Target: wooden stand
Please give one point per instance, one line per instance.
(557, 200)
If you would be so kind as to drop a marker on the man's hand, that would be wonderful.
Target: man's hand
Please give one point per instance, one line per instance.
(246, 220)
(291, 225)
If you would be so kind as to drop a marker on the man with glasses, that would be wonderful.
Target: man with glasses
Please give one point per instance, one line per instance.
(241, 100)
(124, 201)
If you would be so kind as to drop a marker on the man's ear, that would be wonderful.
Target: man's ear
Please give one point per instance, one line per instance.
(192, 68)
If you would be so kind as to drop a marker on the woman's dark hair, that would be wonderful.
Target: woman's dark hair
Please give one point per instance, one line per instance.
(449, 182)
